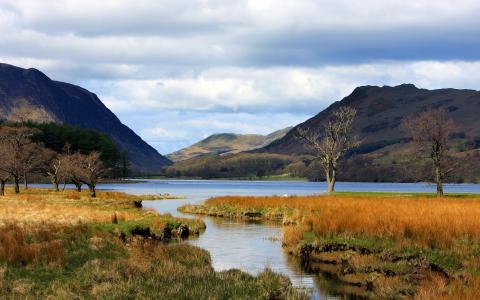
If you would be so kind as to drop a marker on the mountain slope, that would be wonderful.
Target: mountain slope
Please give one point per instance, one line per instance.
(61, 102)
(227, 143)
(380, 111)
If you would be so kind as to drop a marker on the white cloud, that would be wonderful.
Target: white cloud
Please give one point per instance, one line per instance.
(171, 130)
(284, 89)
(176, 71)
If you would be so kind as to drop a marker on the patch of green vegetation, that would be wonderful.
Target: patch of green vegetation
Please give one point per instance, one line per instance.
(370, 244)
(77, 250)
(108, 270)
(448, 260)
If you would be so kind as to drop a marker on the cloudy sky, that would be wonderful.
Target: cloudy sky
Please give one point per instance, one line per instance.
(177, 71)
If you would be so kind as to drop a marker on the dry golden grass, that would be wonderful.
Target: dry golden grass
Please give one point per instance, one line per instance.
(427, 221)
(443, 232)
(436, 288)
(39, 206)
(15, 249)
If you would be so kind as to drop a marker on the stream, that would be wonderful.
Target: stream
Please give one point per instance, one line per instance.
(253, 246)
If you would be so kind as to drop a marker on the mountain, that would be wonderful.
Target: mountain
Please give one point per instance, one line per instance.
(60, 102)
(226, 143)
(380, 111)
(385, 153)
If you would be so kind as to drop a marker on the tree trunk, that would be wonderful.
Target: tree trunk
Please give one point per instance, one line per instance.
(2, 188)
(16, 181)
(25, 181)
(78, 185)
(439, 181)
(55, 184)
(331, 186)
(64, 185)
(91, 188)
(331, 178)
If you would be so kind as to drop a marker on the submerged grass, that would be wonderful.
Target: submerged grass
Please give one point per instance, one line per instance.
(388, 244)
(65, 245)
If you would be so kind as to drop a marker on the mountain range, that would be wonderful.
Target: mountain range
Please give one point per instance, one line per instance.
(385, 151)
(227, 143)
(54, 101)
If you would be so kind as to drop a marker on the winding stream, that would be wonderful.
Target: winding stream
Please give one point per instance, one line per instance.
(253, 246)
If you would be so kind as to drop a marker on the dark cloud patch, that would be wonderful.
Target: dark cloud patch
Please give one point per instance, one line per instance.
(319, 47)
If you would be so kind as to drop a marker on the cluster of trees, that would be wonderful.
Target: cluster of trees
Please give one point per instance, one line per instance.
(240, 165)
(55, 136)
(22, 155)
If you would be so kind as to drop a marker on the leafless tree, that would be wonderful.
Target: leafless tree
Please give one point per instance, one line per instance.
(430, 132)
(15, 143)
(332, 141)
(84, 169)
(33, 158)
(4, 176)
(55, 168)
(3, 180)
(92, 168)
(72, 168)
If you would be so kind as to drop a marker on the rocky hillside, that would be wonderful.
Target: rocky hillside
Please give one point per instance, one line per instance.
(380, 111)
(227, 143)
(54, 101)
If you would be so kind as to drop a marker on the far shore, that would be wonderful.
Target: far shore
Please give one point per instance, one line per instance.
(272, 178)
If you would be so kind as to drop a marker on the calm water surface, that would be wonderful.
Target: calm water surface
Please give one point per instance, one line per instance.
(253, 246)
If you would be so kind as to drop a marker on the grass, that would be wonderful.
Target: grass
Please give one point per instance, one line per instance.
(66, 245)
(389, 244)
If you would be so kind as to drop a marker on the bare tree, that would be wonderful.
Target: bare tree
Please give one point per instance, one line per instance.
(3, 180)
(92, 169)
(430, 132)
(55, 168)
(4, 176)
(16, 142)
(33, 158)
(72, 168)
(332, 141)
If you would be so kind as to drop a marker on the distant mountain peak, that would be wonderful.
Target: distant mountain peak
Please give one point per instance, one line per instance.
(226, 143)
(60, 102)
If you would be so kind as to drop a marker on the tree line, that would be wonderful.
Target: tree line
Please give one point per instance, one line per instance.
(26, 150)
(249, 165)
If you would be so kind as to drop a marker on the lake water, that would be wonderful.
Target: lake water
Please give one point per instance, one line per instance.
(253, 246)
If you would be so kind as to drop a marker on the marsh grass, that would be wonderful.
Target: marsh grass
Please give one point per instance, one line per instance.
(66, 245)
(378, 236)
(424, 221)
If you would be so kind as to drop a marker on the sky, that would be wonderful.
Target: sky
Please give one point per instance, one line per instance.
(177, 71)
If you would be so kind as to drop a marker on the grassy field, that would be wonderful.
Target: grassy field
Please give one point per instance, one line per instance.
(66, 245)
(386, 245)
